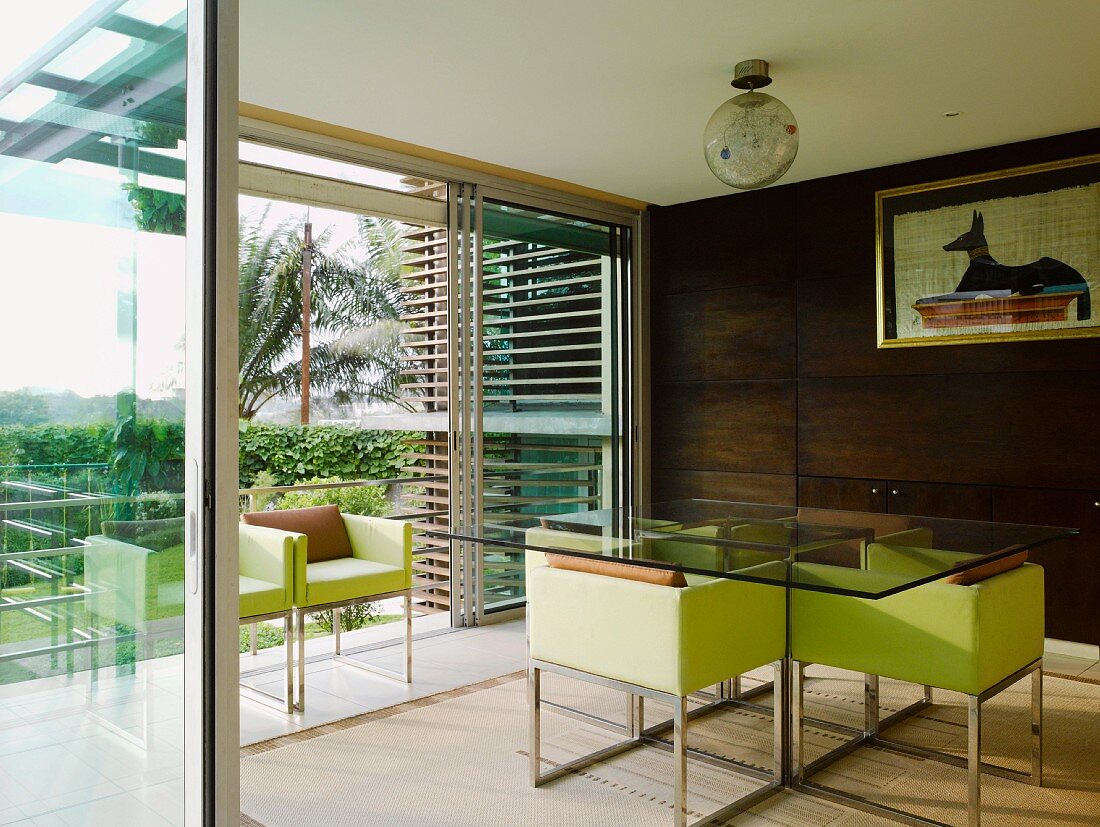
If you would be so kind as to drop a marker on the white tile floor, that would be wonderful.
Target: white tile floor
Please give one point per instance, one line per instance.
(69, 758)
(334, 691)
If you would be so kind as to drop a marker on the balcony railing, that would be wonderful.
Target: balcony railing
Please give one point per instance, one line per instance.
(52, 607)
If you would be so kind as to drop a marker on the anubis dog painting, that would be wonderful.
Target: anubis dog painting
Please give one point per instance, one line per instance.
(987, 276)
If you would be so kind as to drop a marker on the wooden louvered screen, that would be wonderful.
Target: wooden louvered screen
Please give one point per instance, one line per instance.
(424, 387)
(547, 344)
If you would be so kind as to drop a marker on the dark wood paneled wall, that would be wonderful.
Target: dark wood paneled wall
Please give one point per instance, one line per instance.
(724, 358)
(768, 384)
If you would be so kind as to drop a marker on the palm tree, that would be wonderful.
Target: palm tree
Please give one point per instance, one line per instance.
(355, 307)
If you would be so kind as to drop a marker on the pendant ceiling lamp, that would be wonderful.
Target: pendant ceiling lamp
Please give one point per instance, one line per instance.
(751, 140)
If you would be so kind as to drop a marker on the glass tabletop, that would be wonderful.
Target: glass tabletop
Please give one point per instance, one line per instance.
(854, 553)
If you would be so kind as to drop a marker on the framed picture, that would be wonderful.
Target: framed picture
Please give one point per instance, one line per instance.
(1005, 256)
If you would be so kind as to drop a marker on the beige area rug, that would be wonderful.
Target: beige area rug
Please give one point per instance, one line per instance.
(460, 758)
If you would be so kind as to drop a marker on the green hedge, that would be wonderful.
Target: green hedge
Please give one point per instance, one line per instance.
(143, 455)
(55, 444)
(292, 453)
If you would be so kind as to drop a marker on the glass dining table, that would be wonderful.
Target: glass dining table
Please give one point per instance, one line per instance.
(834, 552)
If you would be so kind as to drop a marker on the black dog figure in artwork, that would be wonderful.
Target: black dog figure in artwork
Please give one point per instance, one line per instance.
(984, 273)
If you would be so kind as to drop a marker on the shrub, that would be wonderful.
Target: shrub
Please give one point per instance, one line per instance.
(158, 505)
(266, 637)
(264, 479)
(147, 454)
(368, 500)
(351, 618)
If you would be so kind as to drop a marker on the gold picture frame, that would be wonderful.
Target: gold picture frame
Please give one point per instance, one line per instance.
(1023, 268)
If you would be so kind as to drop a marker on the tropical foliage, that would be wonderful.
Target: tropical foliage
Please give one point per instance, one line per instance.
(292, 453)
(355, 304)
(157, 211)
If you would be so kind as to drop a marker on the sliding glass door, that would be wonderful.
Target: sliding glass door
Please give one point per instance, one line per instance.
(347, 413)
(512, 352)
(104, 585)
(542, 334)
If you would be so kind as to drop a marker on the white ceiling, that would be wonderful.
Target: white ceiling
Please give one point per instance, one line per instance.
(614, 94)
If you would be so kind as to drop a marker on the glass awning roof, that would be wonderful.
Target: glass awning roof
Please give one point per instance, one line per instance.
(115, 75)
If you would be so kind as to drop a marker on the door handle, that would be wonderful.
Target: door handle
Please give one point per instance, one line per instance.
(193, 525)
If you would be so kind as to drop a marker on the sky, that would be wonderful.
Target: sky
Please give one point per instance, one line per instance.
(61, 286)
(72, 261)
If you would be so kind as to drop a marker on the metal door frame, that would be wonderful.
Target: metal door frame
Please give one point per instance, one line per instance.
(211, 663)
(465, 376)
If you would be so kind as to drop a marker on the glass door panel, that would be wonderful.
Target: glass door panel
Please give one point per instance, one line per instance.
(92, 397)
(548, 372)
(366, 385)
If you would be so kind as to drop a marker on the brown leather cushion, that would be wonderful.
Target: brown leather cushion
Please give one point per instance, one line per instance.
(979, 573)
(327, 539)
(624, 571)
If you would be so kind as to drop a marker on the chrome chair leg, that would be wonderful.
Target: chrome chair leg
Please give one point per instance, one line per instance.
(1037, 726)
(679, 759)
(534, 731)
(798, 681)
(927, 694)
(655, 735)
(283, 701)
(636, 715)
(408, 638)
(288, 638)
(400, 674)
(870, 705)
(974, 762)
(300, 623)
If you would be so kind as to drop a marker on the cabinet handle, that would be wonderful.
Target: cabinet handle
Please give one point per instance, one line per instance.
(895, 491)
(875, 491)
(1097, 504)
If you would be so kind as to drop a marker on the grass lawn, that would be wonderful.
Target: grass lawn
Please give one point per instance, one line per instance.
(16, 625)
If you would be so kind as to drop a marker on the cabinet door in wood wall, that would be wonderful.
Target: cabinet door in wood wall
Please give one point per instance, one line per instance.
(842, 493)
(934, 499)
(1072, 566)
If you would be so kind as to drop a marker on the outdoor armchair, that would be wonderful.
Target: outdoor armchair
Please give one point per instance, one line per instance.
(341, 560)
(134, 572)
(266, 564)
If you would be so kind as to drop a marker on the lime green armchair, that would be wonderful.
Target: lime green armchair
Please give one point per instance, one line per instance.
(975, 639)
(134, 572)
(341, 560)
(266, 592)
(648, 641)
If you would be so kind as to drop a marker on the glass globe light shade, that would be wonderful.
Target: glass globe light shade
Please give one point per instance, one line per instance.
(751, 140)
